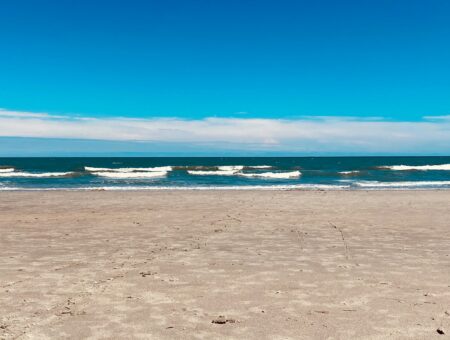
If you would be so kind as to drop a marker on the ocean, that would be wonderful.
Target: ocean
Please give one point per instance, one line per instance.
(147, 173)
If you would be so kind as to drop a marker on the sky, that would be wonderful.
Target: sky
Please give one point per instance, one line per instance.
(287, 77)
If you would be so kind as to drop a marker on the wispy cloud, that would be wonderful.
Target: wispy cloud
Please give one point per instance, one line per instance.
(20, 114)
(437, 118)
(324, 134)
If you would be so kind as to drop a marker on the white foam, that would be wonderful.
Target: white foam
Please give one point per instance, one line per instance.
(38, 175)
(127, 170)
(416, 167)
(125, 175)
(230, 167)
(3, 170)
(405, 184)
(158, 168)
(349, 172)
(236, 172)
(281, 175)
(187, 188)
(260, 166)
(234, 187)
(89, 168)
(213, 172)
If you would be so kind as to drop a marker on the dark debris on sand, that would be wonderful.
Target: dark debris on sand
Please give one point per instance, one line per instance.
(148, 273)
(221, 320)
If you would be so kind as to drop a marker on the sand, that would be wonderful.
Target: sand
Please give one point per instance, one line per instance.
(225, 265)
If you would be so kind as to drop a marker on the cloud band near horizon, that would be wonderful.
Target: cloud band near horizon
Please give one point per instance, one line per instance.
(301, 135)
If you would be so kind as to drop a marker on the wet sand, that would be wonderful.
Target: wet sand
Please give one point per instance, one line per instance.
(275, 265)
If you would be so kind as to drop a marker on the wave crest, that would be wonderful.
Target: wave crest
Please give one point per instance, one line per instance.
(416, 167)
(279, 175)
(347, 173)
(131, 175)
(230, 167)
(37, 175)
(259, 166)
(234, 172)
(213, 173)
(3, 170)
(128, 170)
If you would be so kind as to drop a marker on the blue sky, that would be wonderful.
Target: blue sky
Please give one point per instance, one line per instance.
(196, 60)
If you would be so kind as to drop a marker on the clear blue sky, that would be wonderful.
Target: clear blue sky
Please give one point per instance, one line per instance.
(194, 59)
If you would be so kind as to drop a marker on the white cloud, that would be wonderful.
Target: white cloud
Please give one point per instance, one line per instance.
(19, 114)
(446, 117)
(324, 134)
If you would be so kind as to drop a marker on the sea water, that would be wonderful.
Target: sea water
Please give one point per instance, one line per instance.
(146, 173)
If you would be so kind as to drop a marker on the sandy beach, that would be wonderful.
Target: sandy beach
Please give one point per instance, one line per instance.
(225, 265)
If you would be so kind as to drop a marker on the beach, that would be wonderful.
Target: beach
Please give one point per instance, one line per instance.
(216, 264)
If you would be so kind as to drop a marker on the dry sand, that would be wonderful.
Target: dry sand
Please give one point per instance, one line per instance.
(275, 265)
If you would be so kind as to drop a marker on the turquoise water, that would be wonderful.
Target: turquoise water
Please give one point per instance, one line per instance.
(227, 173)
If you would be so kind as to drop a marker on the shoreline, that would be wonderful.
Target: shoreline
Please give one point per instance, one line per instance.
(213, 189)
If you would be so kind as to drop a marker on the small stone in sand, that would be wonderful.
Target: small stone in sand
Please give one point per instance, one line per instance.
(440, 331)
(222, 320)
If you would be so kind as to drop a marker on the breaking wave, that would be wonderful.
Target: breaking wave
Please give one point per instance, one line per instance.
(279, 175)
(127, 170)
(37, 175)
(416, 167)
(346, 173)
(130, 175)
(230, 167)
(213, 173)
(235, 172)
(259, 166)
(3, 170)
